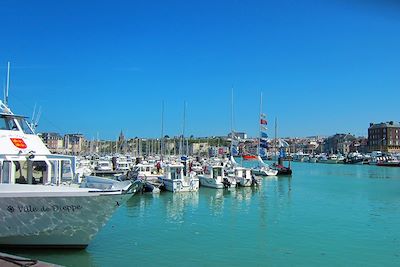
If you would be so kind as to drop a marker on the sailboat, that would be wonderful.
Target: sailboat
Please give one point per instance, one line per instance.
(282, 170)
(263, 169)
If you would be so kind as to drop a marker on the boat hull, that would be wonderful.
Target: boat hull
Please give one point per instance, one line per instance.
(68, 220)
(179, 185)
(210, 182)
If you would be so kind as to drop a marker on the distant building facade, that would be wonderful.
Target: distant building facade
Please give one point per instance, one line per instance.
(339, 143)
(384, 137)
(74, 143)
(53, 141)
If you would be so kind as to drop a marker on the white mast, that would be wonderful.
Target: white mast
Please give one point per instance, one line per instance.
(7, 84)
(162, 130)
(232, 132)
(259, 125)
(183, 130)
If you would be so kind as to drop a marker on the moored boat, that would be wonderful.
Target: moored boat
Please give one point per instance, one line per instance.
(214, 177)
(39, 203)
(175, 180)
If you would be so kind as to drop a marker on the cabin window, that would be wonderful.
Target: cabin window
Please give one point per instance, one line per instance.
(6, 172)
(39, 172)
(24, 126)
(21, 172)
(66, 171)
(217, 172)
(54, 172)
(7, 123)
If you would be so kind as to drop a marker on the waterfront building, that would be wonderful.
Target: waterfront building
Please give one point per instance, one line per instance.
(74, 143)
(384, 137)
(53, 141)
(339, 143)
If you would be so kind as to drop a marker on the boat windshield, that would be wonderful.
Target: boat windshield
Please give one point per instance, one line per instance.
(8, 123)
(217, 172)
(24, 126)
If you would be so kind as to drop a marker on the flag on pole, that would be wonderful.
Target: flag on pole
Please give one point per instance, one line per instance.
(263, 143)
(263, 116)
(264, 135)
(263, 122)
(263, 128)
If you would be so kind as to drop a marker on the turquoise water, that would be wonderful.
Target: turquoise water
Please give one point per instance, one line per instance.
(324, 215)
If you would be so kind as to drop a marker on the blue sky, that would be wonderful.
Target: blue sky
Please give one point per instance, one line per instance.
(324, 67)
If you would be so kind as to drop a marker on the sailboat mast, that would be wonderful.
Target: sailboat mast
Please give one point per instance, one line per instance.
(183, 130)
(259, 123)
(162, 130)
(276, 132)
(232, 134)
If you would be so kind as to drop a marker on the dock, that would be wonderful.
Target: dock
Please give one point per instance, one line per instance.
(8, 260)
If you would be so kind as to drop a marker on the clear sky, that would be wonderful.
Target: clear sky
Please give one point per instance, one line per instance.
(324, 67)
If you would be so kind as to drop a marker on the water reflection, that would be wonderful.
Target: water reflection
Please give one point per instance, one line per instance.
(140, 204)
(178, 204)
(215, 198)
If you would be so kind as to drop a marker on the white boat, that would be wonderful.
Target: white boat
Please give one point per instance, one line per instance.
(214, 177)
(103, 165)
(243, 176)
(196, 167)
(123, 166)
(38, 204)
(332, 159)
(147, 171)
(54, 216)
(263, 169)
(175, 180)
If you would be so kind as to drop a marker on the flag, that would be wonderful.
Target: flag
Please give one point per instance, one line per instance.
(263, 116)
(263, 122)
(264, 135)
(234, 151)
(263, 128)
(263, 143)
(282, 153)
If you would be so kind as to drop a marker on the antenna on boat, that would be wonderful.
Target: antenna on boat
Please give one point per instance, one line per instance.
(7, 84)
(38, 117)
(33, 113)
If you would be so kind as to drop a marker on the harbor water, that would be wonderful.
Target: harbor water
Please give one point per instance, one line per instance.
(323, 215)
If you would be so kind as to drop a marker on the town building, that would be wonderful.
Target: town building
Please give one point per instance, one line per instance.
(384, 137)
(74, 143)
(53, 141)
(339, 143)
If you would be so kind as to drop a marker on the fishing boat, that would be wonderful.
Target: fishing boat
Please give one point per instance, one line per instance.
(214, 177)
(39, 203)
(175, 180)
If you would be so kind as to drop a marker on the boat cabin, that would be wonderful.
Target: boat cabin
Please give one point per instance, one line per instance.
(242, 172)
(214, 171)
(173, 171)
(24, 158)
